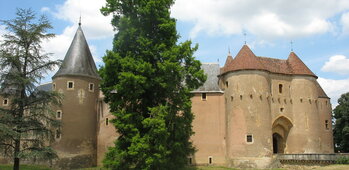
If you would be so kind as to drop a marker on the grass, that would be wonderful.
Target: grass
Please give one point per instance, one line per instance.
(25, 167)
(40, 167)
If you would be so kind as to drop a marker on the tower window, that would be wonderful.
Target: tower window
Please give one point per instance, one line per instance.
(106, 121)
(210, 160)
(59, 114)
(281, 109)
(70, 85)
(249, 138)
(190, 161)
(91, 87)
(227, 84)
(58, 134)
(53, 86)
(5, 102)
(203, 96)
(326, 125)
(280, 88)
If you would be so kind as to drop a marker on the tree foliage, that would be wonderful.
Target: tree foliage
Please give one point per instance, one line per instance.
(147, 79)
(27, 124)
(341, 126)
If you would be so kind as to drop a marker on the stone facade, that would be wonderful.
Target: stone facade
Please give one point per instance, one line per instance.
(246, 111)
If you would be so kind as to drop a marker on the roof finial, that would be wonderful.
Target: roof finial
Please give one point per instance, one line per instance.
(229, 54)
(245, 36)
(80, 20)
(291, 43)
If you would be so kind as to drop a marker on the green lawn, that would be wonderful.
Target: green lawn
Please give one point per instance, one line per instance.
(25, 167)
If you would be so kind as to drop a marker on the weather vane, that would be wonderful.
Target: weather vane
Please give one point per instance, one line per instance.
(245, 36)
(291, 43)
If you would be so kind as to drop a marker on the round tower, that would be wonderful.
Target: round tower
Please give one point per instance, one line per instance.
(78, 81)
(248, 127)
(305, 134)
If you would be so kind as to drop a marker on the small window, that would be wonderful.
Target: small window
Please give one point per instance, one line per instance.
(203, 96)
(59, 114)
(280, 88)
(281, 109)
(106, 121)
(231, 98)
(91, 87)
(5, 102)
(210, 160)
(190, 161)
(251, 96)
(326, 125)
(58, 134)
(53, 86)
(227, 84)
(70, 85)
(240, 97)
(249, 138)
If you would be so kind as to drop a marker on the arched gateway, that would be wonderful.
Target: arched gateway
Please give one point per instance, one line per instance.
(281, 127)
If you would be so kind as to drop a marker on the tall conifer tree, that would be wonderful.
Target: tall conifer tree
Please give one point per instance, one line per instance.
(28, 124)
(147, 79)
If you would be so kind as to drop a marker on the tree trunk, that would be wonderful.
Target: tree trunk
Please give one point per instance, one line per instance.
(16, 159)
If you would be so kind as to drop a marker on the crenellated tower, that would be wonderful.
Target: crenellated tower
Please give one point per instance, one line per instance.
(77, 79)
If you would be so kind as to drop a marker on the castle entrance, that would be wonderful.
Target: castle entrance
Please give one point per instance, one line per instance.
(281, 128)
(278, 143)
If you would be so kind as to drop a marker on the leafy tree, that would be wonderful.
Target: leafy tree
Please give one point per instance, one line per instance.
(341, 127)
(27, 125)
(147, 79)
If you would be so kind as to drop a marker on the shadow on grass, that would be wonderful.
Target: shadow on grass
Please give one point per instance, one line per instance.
(25, 167)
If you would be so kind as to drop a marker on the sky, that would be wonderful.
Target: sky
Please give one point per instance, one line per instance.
(318, 30)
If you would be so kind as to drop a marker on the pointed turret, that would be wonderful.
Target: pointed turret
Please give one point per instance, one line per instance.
(244, 60)
(78, 61)
(297, 65)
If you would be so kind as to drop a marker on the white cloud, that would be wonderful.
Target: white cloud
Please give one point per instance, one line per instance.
(267, 19)
(334, 88)
(345, 23)
(95, 25)
(338, 64)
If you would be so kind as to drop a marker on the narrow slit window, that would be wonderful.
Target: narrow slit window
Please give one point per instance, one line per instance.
(210, 161)
(59, 114)
(203, 96)
(58, 134)
(190, 161)
(280, 88)
(53, 86)
(91, 87)
(227, 84)
(326, 125)
(281, 109)
(106, 121)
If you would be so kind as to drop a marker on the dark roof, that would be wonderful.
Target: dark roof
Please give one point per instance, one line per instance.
(321, 91)
(78, 61)
(45, 87)
(212, 72)
(247, 60)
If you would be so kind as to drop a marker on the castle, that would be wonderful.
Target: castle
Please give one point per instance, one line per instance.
(247, 111)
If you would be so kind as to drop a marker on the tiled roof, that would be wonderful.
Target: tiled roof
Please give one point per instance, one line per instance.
(246, 60)
(211, 84)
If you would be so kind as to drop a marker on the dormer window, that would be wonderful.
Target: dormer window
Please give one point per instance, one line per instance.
(203, 96)
(91, 87)
(70, 85)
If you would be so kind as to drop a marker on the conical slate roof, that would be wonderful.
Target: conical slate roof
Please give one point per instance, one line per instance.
(78, 61)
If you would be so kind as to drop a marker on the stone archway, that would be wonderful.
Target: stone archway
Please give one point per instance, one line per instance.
(281, 127)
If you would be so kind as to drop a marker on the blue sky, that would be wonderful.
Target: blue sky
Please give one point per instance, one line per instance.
(319, 30)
